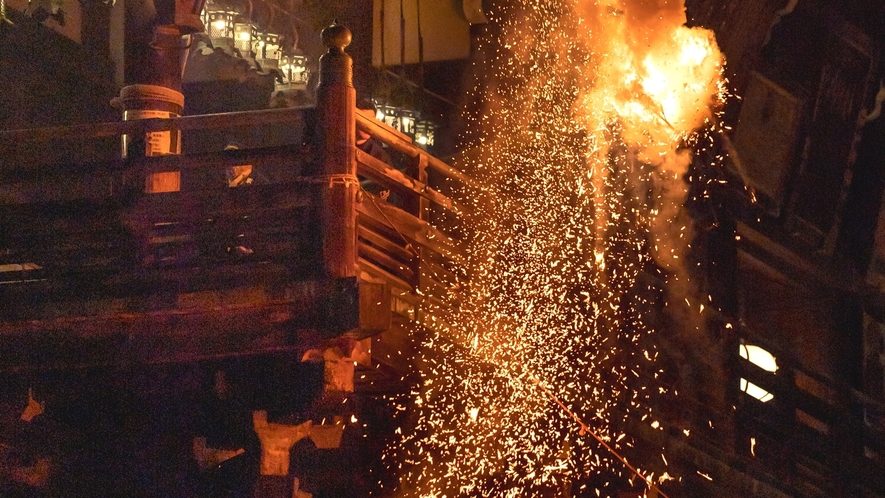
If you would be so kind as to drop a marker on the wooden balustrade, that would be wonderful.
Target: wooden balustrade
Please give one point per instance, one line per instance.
(183, 123)
(398, 242)
(86, 254)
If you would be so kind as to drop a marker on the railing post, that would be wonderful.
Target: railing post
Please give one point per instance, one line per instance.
(336, 104)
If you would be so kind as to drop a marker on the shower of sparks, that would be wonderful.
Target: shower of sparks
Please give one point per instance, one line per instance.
(590, 121)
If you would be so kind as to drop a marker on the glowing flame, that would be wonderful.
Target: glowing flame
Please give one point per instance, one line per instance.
(590, 120)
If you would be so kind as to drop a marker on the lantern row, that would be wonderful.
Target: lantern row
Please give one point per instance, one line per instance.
(406, 121)
(226, 27)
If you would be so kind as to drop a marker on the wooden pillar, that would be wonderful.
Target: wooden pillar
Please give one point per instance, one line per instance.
(155, 36)
(336, 103)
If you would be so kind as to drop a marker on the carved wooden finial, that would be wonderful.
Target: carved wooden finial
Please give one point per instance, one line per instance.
(336, 37)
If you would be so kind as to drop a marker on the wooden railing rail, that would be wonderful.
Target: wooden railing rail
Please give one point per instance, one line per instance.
(383, 173)
(100, 179)
(404, 145)
(411, 242)
(139, 126)
(413, 229)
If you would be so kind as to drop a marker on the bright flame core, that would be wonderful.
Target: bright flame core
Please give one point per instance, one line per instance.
(590, 116)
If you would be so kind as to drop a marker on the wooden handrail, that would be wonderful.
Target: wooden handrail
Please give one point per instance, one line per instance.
(376, 270)
(395, 139)
(199, 122)
(380, 171)
(41, 174)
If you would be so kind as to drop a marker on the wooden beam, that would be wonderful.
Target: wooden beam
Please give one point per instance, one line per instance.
(436, 272)
(203, 324)
(183, 247)
(283, 163)
(291, 157)
(753, 241)
(252, 201)
(378, 272)
(394, 267)
(66, 291)
(371, 125)
(271, 222)
(384, 243)
(162, 336)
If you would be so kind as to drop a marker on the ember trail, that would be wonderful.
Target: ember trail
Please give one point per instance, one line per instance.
(592, 113)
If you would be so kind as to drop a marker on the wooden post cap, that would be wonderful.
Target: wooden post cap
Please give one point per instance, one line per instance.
(336, 66)
(336, 37)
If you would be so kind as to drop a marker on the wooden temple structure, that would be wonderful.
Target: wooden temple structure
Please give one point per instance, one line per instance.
(218, 322)
(329, 257)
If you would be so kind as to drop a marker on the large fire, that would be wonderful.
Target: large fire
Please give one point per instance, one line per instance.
(530, 385)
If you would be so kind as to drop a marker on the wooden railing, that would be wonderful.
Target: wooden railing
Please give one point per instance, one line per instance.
(408, 232)
(88, 258)
(405, 230)
(84, 247)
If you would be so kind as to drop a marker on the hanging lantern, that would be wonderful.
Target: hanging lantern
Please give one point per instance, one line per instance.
(424, 133)
(267, 48)
(294, 68)
(387, 113)
(244, 33)
(407, 122)
(219, 20)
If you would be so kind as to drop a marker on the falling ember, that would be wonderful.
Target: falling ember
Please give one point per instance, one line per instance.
(591, 117)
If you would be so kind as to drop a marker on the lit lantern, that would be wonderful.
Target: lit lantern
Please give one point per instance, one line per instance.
(267, 47)
(388, 114)
(244, 33)
(219, 20)
(424, 133)
(294, 68)
(407, 122)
